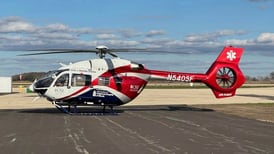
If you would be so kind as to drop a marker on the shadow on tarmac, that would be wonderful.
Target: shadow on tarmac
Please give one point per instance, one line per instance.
(119, 110)
(267, 97)
(3, 94)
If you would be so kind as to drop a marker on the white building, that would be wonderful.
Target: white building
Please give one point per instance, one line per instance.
(5, 84)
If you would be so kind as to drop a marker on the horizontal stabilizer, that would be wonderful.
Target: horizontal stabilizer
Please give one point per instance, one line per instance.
(219, 94)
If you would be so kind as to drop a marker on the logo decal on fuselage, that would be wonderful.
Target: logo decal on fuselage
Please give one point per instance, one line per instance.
(134, 88)
(101, 93)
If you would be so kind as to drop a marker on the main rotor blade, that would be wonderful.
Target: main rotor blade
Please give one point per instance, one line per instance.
(58, 51)
(103, 51)
(92, 50)
(112, 54)
(150, 50)
(127, 50)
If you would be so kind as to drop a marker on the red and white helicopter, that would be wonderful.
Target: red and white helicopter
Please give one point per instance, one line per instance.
(114, 81)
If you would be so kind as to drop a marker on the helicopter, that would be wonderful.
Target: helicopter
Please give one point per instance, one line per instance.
(110, 82)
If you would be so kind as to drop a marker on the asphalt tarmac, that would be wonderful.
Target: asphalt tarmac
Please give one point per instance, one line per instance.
(135, 129)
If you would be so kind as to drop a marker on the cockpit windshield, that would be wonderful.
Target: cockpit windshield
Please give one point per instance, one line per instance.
(47, 80)
(53, 74)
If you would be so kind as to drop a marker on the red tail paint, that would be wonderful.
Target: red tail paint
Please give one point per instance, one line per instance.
(223, 77)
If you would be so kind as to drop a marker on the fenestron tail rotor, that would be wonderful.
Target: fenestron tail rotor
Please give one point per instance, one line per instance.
(101, 51)
(226, 77)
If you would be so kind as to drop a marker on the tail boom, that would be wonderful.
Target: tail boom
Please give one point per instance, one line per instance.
(223, 77)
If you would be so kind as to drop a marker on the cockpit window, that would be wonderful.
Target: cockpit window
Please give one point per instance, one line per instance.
(43, 83)
(103, 81)
(79, 80)
(47, 80)
(62, 81)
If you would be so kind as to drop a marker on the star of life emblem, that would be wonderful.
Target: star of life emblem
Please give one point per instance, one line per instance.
(231, 55)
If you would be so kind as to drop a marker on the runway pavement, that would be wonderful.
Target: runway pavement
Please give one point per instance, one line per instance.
(143, 126)
(136, 129)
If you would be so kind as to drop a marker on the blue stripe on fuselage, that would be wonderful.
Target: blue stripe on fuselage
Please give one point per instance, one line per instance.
(98, 97)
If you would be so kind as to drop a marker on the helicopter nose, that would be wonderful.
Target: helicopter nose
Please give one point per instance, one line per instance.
(34, 88)
(31, 87)
(40, 91)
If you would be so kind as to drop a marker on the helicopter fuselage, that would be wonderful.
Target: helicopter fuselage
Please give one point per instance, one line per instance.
(99, 81)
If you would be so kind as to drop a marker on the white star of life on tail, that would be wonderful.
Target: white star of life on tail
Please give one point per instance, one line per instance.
(231, 55)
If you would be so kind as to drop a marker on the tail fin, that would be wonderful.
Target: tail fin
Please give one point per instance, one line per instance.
(224, 75)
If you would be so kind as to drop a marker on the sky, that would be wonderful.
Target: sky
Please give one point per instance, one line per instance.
(192, 33)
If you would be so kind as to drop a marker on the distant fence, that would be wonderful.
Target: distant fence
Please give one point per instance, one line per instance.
(24, 84)
(21, 87)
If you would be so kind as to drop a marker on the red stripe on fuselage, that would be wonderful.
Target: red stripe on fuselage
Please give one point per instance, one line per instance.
(126, 84)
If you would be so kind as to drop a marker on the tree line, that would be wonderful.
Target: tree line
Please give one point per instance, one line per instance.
(31, 76)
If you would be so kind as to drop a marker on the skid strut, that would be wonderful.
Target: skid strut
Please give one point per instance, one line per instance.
(74, 111)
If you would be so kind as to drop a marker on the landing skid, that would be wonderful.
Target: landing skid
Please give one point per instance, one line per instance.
(74, 110)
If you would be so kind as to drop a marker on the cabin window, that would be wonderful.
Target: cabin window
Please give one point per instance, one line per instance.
(79, 80)
(62, 81)
(103, 81)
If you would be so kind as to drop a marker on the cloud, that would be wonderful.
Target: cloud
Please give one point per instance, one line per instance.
(266, 38)
(155, 33)
(263, 39)
(106, 36)
(213, 36)
(17, 33)
(156, 42)
(55, 36)
(122, 43)
(262, 4)
(130, 33)
(57, 27)
(237, 42)
(61, 28)
(15, 25)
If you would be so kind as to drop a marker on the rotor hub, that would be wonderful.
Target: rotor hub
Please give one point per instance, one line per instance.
(102, 51)
(102, 47)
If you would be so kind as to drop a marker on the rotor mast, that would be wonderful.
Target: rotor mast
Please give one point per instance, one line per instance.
(102, 50)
